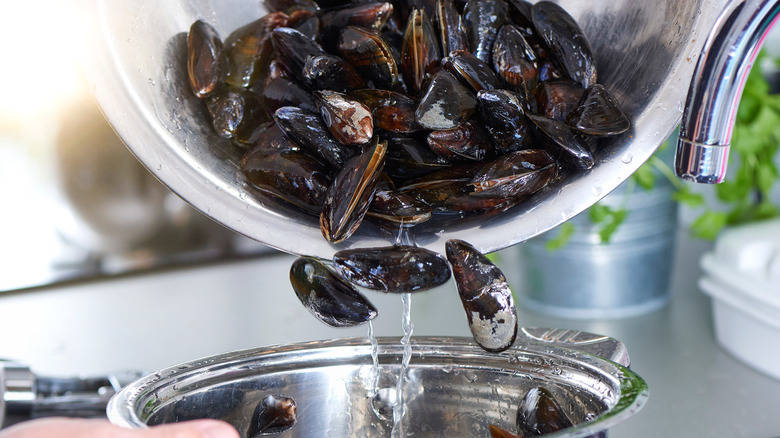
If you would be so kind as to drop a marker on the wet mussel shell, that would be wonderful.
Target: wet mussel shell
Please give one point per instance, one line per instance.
(293, 48)
(452, 35)
(482, 20)
(398, 269)
(504, 114)
(307, 130)
(249, 49)
(499, 432)
(330, 72)
(351, 193)
(348, 120)
(371, 56)
(598, 113)
(205, 58)
(515, 175)
(486, 297)
(446, 104)
(420, 50)
(279, 168)
(566, 144)
(539, 413)
(275, 414)
(327, 296)
(566, 41)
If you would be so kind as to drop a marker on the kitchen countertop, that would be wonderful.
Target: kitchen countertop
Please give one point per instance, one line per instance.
(151, 321)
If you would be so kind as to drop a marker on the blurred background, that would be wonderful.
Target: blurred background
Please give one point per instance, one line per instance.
(77, 203)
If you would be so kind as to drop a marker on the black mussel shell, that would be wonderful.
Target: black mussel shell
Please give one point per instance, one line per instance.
(408, 158)
(556, 99)
(279, 168)
(567, 42)
(539, 413)
(286, 91)
(598, 113)
(235, 111)
(567, 145)
(330, 298)
(420, 50)
(397, 268)
(392, 111)
(330, 72)
(273, 415)
(471, 70)
(398, 209)
(351, 193)
(446, 104)
(371, 56)
(514, 60)
(308, 131)
(307, 25)
(452, 35)
(485, 295)
(450, 194)
(369, 15)
(293, 48)
(515, 175)
(468, 141)
(205, 58)
(249, 50)
(504, 114)
(482, 20)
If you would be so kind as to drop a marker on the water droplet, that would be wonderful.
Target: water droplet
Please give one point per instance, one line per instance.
(597, 191)
(627, 158)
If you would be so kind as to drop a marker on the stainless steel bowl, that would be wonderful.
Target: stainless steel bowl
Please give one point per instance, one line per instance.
(452, 387)
(646, 53)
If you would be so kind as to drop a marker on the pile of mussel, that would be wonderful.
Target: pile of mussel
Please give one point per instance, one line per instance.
(398, 111)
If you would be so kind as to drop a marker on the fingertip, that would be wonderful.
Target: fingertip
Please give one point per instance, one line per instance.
(214, 429)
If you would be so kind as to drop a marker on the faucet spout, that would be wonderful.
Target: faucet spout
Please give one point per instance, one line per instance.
(716, 89)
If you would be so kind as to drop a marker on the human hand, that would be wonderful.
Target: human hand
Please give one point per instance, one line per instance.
(82, 428)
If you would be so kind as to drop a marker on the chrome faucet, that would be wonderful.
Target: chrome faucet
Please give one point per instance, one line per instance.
(716, 89)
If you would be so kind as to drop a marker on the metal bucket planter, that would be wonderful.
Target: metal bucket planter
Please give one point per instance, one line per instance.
(628, 276)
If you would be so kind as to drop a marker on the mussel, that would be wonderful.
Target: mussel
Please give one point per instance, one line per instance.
(275, 414)
(485, 295)
(351, 193)
(249, 49)
(566, 40)
(446, 104)
(205, 58)
(348, 120)
(328, 297)
(539, 413)
(398, 268)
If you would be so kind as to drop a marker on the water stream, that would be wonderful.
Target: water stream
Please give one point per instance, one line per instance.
(399, 408)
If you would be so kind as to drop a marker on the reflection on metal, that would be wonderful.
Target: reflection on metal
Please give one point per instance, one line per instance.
(716, 89)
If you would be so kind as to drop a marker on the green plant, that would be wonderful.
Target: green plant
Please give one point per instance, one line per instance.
(755, 144)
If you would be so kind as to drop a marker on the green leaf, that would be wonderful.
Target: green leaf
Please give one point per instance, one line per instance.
(709, 224)
(617, 217)
(599, 212)
(739, 186)
(766, 176)
(645, 176)
(566, 230)
(687, 197)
